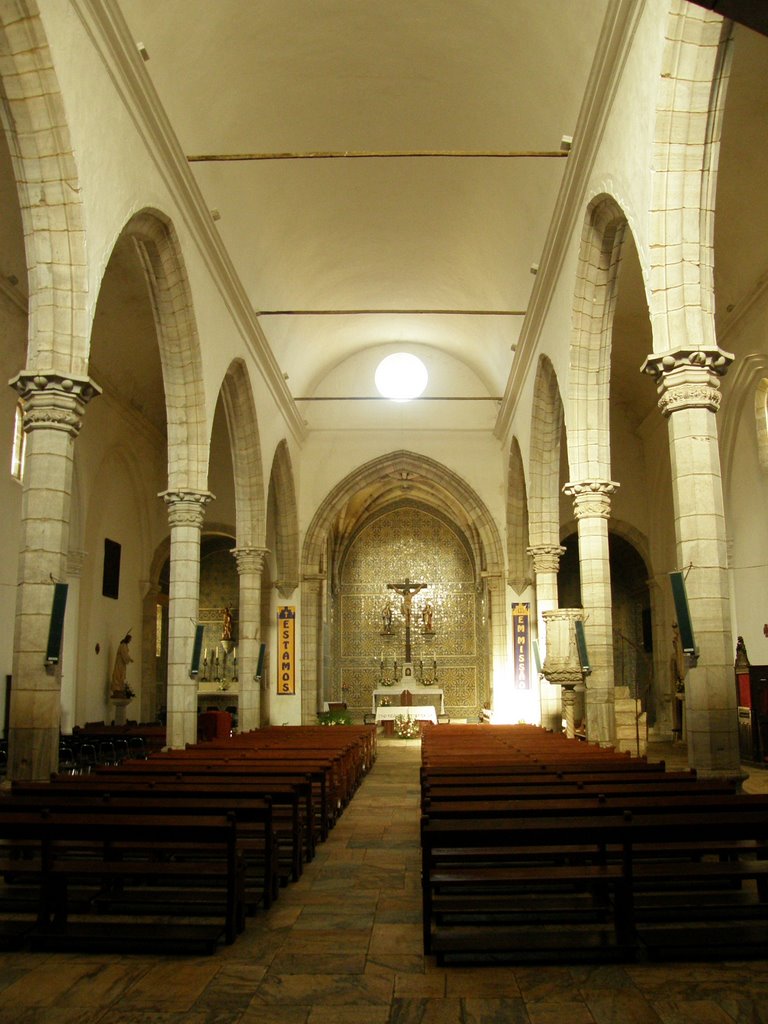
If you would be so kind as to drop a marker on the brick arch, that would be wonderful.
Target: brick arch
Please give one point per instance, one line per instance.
(518, 559)
(243, 427)
(695, 64)
(589, 440)
(282, 498)
(547, 421)
(49, 193)
(188, 436)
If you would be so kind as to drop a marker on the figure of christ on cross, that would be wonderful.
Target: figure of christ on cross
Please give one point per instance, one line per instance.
(406, 590)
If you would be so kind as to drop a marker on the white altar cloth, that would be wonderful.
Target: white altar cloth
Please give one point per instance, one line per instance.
(418, 712)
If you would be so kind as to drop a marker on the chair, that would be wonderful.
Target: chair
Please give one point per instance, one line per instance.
(67, 760)
(121, 750)
(369, 718)
(137, 748)
(86, 761)
(443, 719)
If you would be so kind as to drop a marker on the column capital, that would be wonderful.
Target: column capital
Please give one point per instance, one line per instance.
(186, 507)
(591, 498)
(546, 557)
(250, 559)
(688, 378)
(53, 400)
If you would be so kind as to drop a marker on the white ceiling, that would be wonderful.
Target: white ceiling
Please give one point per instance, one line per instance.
(407, 234)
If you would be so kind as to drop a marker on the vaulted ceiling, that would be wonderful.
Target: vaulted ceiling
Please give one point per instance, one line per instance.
(396, 168)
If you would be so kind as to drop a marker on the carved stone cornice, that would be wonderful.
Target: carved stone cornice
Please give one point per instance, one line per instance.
(285, 587)
(250, 560)
(53, 400)
(688, 378)
(591, 498)
(186, 508)
(546, 557)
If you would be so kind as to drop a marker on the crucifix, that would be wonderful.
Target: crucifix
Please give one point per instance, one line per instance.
(406, 590)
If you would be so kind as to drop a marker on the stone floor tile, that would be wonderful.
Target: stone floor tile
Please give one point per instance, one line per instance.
(322, 989)
(402, 938)
(51, 983)
(171, 985)
(545, 984)
(694, 1011)
(427, 1011)
(260, 1014)
(495, 1011)
(559, 1013)
(625, 1007)
(361, 1014)
(419, 986)
(487, 982)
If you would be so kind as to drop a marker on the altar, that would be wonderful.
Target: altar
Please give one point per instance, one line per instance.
(418, 712)
(418, 696)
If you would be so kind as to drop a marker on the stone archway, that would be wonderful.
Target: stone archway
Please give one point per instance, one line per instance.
(381, 484)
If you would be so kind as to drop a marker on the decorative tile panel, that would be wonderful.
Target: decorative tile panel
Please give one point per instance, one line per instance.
(415, 544)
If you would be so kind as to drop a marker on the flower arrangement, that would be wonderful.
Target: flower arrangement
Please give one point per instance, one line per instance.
(406, 727)
(385, 702)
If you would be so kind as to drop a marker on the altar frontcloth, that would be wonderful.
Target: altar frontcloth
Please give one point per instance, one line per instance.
(418, 712)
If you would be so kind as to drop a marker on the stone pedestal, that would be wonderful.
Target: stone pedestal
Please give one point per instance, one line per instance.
(120, 704)
(562, 665)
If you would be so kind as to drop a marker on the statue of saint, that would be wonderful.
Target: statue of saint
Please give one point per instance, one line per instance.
(122, 660)
(386, 616)
(226, 626)
(426, 616)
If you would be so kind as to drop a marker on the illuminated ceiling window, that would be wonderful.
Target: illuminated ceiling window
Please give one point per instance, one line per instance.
(19, 444)
(401, 377)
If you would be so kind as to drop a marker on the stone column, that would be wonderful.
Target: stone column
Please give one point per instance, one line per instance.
(312, 595)
(54, 405)
(592, 507)
(250, 563)
(689, 389)
(498, 654)
(546, 562)
(186, 510)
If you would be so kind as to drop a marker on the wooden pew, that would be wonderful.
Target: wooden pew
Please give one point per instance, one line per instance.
(253, 816)
(123, 851)
(470, 909)
(290, 796)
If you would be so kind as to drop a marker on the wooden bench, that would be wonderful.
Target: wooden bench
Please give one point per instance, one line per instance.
(253, 817)
(120, 853)
(498, 897)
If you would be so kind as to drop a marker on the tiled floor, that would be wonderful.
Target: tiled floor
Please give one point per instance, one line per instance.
(343, 946)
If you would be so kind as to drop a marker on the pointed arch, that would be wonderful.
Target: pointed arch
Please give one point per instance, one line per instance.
(282, 499)
(42, 154)
(242, 423)
(546, 430)
(159, 249)
(693, 79)
(385, 481)
(589, 440)
(519, 561)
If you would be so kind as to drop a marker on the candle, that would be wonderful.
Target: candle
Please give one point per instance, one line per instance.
(234, 653)
(205, 654)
